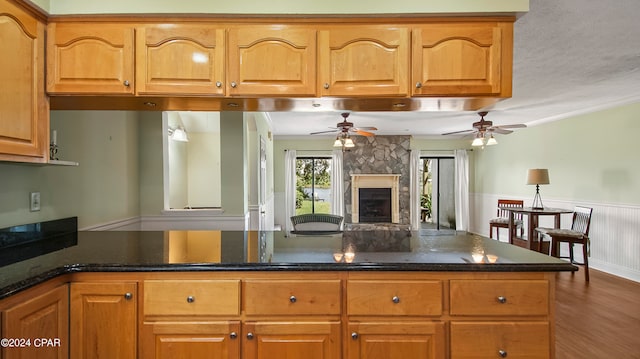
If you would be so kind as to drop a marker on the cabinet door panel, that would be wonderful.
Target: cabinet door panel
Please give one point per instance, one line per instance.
(364, 60)
(462, 59)
(275, 60)
(416, 340)
(24, 109)
(103, 320)
(45, 316)
(309, 340)
(90, 58)
(488, 339)
(170, 340)
(181, 59)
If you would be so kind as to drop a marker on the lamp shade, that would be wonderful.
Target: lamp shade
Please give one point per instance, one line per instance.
(538, 176)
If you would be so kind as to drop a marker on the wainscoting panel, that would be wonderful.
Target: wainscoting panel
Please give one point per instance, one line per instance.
(614, 233)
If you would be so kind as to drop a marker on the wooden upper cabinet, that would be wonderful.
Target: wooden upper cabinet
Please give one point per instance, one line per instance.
(24, 108)
(90, 58)
(271, 60)
(180, 59)
(463, 59)
(365, 60)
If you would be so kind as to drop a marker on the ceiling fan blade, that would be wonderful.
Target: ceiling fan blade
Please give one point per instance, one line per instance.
(366, 128)
(363, 133)
(517, 125)
(331, 131)
(500, 130)
(456, 132)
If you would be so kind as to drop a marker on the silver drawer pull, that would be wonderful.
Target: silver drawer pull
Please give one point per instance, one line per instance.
(293, 299)
(128, 296)
(502, 299)
(191, 299)
(395, 299)
(354, 336)
(502, 353)
(249, 335)
(233, 335)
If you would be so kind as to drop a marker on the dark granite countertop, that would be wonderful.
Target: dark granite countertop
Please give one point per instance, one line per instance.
(34, 254)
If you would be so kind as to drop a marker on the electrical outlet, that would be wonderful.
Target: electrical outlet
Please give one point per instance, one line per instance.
(34, 203)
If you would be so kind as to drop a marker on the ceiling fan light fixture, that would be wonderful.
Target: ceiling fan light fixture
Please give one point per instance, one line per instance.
(338, 142)
(478, 141)
(492, 141)
(348, 142)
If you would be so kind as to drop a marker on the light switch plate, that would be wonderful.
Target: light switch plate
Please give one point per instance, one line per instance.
(34, 201)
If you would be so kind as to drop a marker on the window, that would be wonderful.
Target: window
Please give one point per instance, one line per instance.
(313, 185)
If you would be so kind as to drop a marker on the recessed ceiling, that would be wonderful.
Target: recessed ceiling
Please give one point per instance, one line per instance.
(570, 57)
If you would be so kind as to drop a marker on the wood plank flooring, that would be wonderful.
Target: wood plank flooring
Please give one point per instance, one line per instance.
(600, 319)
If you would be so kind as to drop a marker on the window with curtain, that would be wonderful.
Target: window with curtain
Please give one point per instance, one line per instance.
(313, 185)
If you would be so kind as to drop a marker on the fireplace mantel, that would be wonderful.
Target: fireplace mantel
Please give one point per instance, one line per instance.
(375, 180)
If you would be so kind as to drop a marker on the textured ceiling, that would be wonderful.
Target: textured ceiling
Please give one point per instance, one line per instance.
(570, 57)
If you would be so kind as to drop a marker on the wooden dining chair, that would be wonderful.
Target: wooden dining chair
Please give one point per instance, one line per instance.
(502, 217)
(578, 234)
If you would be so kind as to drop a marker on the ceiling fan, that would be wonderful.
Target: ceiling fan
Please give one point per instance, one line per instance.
(484, 128)
(346, 128)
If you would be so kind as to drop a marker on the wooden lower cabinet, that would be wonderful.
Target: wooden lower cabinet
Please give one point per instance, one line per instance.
(103, 321)
(171, 340)
(43, 322)
(522, 340)
(390, 340)
(309, 340)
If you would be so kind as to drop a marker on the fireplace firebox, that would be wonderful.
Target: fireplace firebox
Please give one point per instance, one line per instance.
(375, 205)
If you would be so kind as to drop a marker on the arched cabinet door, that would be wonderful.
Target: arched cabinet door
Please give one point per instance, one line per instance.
(365, 60)
(273, 60)
(181, 59)
(462, 59)
(24, 108)
(90, 58)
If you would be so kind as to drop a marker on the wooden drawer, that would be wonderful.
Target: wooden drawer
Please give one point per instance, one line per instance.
(394, 297)
(499, 297)
(292, 297)
(192, 297)
(500, 340)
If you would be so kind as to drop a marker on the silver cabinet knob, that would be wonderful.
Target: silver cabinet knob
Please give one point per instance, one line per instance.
(395, 299)
(126, 83)
(326, 86)
(418, 84)
(249, 335)
(218, 84)
(128, 296)
(293, 299)
(191, 299)
(234, 84)
(233, 335)
(354, 336)
(502, 299)
(502, 353)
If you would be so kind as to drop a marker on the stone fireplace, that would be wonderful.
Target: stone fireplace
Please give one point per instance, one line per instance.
(374, 198)
(378, 162)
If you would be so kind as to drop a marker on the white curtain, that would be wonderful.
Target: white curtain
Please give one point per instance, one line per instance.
(289, 188)
(337, 182)
(462, 190)
(416, 181)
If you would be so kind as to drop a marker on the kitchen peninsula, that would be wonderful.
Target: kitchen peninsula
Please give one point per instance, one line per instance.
(263, 293)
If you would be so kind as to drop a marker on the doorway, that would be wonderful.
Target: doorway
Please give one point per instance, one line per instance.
(437, 198)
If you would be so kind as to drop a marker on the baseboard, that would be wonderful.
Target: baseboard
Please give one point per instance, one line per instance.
(127, 224)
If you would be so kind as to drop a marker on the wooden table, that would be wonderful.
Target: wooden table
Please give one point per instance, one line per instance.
(532, 223)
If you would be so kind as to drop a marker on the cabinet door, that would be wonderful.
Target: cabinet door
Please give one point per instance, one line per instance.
(364, 60)
(90, 58)
(180, 59)
(170, 340)
(462, 59)
(309, 340)
(45, 316)
(103, 320)
(24, 109)
(275, 60)
(383, 340)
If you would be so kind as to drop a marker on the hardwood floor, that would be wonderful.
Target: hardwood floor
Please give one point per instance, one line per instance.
(600, 319)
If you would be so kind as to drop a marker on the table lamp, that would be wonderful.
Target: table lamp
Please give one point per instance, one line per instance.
(537, 176)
